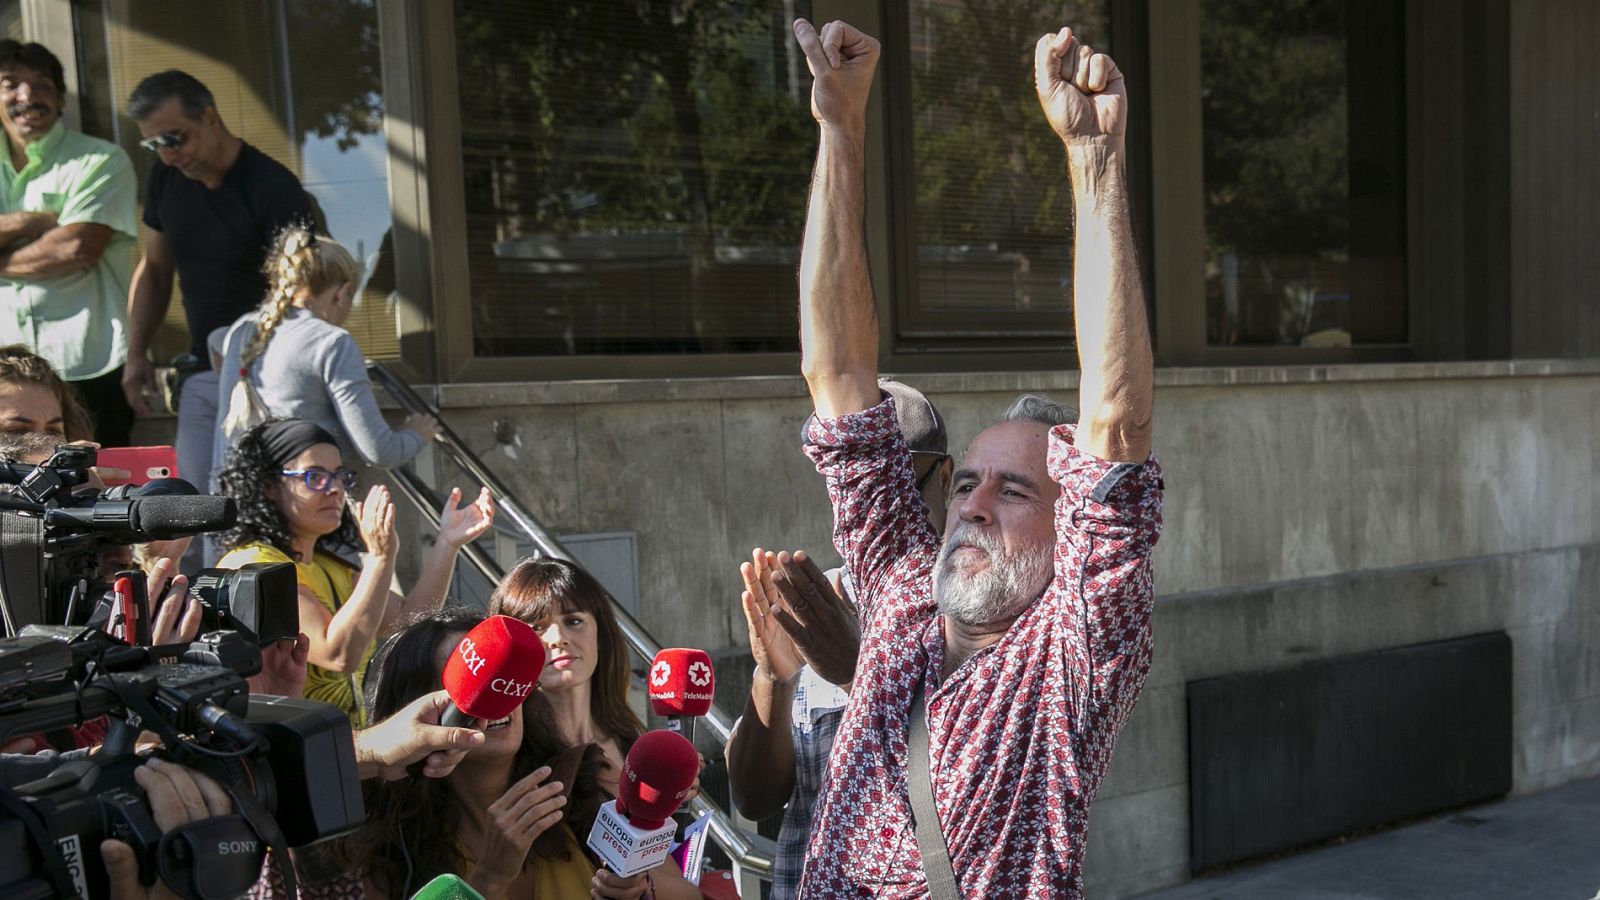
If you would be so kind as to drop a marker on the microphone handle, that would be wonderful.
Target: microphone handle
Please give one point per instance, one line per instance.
(683, 725)
(454, 718)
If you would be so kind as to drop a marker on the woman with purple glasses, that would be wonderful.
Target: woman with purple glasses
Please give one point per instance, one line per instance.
(292, 490)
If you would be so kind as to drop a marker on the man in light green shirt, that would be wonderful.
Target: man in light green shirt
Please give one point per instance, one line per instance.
(67, 229)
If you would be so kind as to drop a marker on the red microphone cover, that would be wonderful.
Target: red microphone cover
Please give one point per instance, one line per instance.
(494, 668)
(681, 683)
(656, 776)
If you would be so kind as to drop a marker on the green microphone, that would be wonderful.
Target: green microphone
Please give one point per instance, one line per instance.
(447, 887)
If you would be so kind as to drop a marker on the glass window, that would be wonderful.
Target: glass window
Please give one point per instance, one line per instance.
(11, 19)
(635, 175)
(1304, 136)
(298, 79)
(991, 214)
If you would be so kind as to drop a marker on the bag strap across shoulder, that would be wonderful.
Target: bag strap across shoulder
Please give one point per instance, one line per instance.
(919, 780)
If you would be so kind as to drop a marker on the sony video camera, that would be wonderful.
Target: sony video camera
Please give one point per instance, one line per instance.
(288, 765)
(65, 546)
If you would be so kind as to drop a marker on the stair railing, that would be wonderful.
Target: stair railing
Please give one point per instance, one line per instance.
(751, 853)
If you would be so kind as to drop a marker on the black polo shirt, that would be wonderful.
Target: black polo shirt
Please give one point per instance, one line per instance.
(219, 238)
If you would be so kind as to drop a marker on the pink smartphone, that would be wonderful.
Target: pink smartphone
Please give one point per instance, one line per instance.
(144, 464)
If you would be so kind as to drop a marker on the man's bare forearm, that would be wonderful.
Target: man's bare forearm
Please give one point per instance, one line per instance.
(24, 226)
(838, 318)
(147, 306)
(59, 251)
(761, 752)
(1113, 334)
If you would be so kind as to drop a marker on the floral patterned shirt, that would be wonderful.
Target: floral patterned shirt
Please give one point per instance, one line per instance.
(1021, 733)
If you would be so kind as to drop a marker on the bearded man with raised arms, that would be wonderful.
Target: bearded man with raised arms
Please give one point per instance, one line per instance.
(1022, 638)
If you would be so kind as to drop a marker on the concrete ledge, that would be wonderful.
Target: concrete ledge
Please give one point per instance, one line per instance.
(645, 390)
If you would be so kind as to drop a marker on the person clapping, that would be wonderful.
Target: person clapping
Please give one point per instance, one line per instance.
(291, 487)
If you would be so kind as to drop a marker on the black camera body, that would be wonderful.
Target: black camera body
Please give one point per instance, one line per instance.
(56, 536)
(262, 599)
(288, 764)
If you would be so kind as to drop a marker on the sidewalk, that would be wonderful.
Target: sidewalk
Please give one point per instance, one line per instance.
(1544, 846)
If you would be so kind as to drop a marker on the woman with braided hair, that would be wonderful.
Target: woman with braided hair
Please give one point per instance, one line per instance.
(292, 359)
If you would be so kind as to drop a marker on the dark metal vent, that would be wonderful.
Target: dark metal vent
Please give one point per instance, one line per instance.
(1289, 757)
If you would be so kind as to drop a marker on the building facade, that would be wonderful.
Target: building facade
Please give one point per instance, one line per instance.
(1367, 229)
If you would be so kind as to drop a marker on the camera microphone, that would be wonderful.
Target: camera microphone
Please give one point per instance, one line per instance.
(159, 517)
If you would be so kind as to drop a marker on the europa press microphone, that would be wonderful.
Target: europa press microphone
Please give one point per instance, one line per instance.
(491, 671)
(633, 833)
(681, 687)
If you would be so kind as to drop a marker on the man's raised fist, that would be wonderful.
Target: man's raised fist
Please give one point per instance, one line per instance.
(841, 59)
(1081, 91)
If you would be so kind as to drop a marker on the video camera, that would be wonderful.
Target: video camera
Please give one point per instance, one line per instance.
(289, 765)
(60, 542)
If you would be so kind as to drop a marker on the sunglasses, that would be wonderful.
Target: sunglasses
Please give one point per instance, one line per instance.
(166, 140)
(321, 480)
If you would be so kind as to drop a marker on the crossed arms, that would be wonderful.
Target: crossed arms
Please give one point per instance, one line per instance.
(52, 249)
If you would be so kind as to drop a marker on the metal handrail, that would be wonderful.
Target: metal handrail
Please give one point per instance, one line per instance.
(751, 852)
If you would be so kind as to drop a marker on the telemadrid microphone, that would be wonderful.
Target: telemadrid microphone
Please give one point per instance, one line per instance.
(491, 671)
(447, 887)
(681, 687)
(633, 833)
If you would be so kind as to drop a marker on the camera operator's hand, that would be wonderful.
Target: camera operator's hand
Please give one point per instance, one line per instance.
(152, 552)
(177, 619)
(283, 668)
(413, 734)
(375, 517)
(177, 796)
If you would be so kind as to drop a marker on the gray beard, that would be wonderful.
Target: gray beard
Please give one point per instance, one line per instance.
(1002, 590)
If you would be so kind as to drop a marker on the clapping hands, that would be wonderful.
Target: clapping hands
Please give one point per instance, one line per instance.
(820, 623)
(461, 525)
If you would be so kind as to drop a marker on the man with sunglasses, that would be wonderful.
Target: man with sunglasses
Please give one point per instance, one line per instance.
(67, 225)
(213, 204)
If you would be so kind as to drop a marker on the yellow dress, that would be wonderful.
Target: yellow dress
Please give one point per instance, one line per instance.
(570, 877)
(331, 580)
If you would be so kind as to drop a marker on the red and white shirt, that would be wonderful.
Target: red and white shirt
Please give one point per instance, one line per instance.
(1021, 733)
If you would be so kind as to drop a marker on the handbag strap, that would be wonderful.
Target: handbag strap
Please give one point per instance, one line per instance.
(919, 781)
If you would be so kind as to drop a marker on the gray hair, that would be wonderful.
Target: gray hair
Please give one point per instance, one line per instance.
(1041, 409)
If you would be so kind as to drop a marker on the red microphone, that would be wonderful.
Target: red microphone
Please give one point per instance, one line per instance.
(633, 833)
(491, 671)
(681, 687)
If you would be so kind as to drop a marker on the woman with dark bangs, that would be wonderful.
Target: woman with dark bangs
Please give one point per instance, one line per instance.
(586, 671)
(585, 677)
(509, 819)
